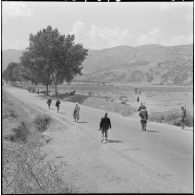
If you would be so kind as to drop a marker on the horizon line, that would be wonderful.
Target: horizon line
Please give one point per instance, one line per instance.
(120, 46)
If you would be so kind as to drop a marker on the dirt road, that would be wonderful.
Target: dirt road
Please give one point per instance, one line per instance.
(157, 161)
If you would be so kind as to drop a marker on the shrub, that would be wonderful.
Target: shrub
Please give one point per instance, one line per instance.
(20, 133)
(12, 114)
(171, 117)
(42, 122)
(189, 120)
(123, 102)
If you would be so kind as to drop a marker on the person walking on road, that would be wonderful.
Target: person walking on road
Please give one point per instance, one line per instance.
(49, 101)
(137, 98)
(183, 117)
(144, 117)
(76, 115)
(105, 124)
(58, 105)
(141, 106)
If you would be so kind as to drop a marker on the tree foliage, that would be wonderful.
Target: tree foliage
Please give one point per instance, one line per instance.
(53, 58)
(11, 72)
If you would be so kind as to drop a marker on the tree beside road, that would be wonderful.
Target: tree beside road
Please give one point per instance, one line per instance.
(50, 58)
(53, 58)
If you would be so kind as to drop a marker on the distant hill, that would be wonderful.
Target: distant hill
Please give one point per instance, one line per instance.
(153, 64)
(10, 55)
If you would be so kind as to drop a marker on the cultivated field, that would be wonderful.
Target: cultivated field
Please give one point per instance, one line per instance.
(163, 102)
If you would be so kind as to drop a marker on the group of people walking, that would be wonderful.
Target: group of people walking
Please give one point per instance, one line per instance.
(105, 122)
(49, 101)
(76, 111)
(143, 113)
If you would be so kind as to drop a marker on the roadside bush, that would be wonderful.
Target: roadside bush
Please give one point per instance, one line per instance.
(171, 117)
(12, 114)
(42, 122)
(189, 120)
(20, 133)
(123, 102)
(8, 112)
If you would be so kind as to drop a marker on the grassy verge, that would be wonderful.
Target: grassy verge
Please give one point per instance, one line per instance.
(171, 117)
(25, 169)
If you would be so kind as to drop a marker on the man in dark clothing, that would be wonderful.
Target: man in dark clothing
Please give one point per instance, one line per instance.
(58, 105)
(144, 117)
(105, 124)
(183, 116)
(135, 91)
(141, 106)
(49, 103)
(137, 98)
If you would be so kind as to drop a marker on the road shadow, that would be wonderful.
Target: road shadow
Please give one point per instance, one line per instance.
(187, 129)
(152, 131)
(82, 122)
(61, 95)
(114, 141)
(61, 113)
(44, 92)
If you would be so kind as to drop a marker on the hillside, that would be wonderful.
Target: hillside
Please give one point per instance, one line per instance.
(153, 64)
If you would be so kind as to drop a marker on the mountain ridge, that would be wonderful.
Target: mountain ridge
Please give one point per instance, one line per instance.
(152, 63)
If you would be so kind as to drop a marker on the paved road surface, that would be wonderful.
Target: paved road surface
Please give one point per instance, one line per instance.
(159, 160)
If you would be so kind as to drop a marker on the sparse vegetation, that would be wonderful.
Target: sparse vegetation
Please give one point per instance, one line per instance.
(171, 117)
(20, 133)
(42, 122)
(25, 169)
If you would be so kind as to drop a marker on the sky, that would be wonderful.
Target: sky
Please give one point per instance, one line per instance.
(100, 25)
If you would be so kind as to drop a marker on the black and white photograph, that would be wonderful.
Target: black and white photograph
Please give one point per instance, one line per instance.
(97, 97)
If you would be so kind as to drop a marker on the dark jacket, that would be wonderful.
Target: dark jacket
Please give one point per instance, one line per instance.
(105, 123)
(141, 107)
(143, 114)
(49, 101)
(183, 114)
(58, 103)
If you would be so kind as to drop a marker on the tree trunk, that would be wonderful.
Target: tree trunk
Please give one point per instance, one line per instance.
(56, 91)
(47, 89)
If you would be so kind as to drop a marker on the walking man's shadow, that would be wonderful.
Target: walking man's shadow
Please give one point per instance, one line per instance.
(114, 141)
(153, 131)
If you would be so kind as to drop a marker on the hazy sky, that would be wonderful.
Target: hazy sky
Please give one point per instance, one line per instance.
(100, 25)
